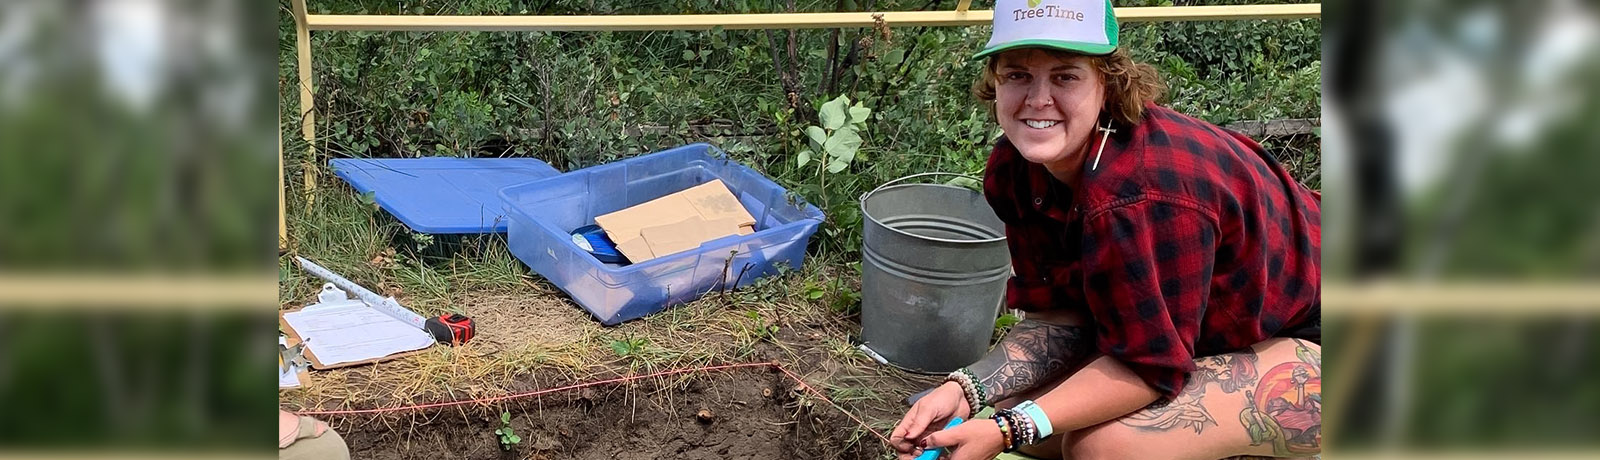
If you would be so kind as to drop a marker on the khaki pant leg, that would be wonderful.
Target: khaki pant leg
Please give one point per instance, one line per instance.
(328, 446)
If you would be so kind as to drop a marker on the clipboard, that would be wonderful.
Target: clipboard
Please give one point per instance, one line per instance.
(294, 337)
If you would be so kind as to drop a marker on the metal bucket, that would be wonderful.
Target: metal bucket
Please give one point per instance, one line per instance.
(933, 273)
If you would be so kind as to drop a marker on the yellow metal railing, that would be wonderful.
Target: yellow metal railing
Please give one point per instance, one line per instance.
(772, 20)
(1341, 300)
(80, 292)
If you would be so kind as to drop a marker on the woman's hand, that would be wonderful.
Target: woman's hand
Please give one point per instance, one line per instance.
(973, 440)
(933, 410)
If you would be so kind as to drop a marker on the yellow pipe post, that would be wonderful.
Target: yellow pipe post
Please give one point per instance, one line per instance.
(283, 222)
(1358, 348)
(302, 35)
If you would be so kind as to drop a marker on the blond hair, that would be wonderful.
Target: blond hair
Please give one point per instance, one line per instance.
(1129, 85)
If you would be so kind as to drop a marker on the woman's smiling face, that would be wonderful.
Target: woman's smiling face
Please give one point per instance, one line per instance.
(1048, 104)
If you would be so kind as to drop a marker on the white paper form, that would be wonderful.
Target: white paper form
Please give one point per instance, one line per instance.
(347, 331)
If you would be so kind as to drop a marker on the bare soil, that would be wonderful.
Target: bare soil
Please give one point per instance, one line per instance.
(737, 414)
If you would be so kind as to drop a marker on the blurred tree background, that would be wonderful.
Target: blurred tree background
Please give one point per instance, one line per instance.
(136, 149)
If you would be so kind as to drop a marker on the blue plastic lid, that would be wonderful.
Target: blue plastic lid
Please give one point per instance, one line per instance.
(442, 195)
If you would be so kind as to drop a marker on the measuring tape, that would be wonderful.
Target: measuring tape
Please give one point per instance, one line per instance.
(453, 328)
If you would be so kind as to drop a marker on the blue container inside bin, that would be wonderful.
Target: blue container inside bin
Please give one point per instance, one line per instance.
(544, 213)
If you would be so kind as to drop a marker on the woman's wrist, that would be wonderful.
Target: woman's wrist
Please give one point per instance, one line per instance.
(964, 406)
(971, 391)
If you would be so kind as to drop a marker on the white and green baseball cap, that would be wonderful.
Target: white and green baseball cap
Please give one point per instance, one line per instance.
(1080, 26)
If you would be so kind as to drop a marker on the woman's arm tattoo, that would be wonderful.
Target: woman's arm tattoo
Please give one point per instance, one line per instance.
(1033, 353)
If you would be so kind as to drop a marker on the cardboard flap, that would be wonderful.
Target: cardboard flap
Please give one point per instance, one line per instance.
(677, 222)
(716, 204)
(636, 250)
(686, 234)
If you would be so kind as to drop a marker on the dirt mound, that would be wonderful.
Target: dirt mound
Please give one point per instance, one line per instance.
(741, 414)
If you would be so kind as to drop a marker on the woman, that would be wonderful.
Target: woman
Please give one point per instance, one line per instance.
(1169, 268)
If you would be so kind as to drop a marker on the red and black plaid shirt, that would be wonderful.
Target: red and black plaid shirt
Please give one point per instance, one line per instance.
(1187, 241)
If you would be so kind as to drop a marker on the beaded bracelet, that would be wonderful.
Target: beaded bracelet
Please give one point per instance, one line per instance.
(977, 386)
(1023, 426)
(968, 388)
(1011, 439)
(1019, 428)
(1036, 415)
(1016, 430)
(1029, 429)
(1005, 433)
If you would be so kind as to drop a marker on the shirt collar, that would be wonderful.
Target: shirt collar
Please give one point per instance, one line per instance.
(1040, 191)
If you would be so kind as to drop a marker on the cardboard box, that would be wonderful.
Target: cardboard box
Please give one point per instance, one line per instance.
(677, 222)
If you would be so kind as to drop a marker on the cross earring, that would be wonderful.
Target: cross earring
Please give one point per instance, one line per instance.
(1105, 133)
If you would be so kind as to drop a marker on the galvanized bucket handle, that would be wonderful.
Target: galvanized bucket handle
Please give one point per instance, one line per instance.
(864, 196)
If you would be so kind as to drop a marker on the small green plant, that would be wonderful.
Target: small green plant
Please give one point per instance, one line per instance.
(834, 292)
(421, 241)
(762, 329)
(1005, 321)
(845, 299)
(835, 143)
(834, 146)
(828, 171)
(507, 437)
(629, 346)
(814, 291)
(370, 199)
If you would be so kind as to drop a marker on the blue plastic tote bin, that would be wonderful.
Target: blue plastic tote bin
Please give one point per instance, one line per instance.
(544, 213)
